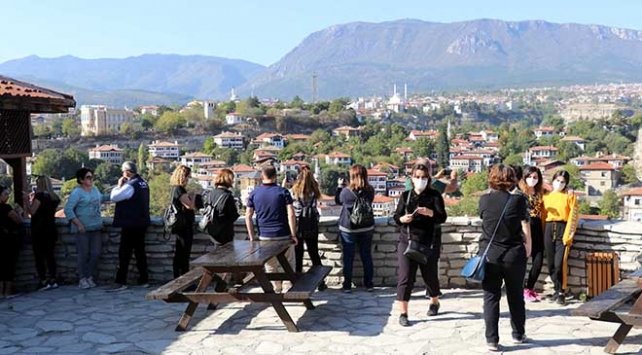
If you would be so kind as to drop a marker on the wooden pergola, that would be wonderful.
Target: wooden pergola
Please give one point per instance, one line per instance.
(18, 100)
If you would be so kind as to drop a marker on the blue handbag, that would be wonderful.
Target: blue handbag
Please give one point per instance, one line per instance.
(475, 268)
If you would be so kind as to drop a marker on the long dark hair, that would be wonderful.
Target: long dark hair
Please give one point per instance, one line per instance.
(528, 171)
(565, 175)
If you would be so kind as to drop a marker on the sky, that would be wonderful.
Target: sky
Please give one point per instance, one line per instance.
(253, 30)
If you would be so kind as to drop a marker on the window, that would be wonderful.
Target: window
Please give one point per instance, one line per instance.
(636, 202)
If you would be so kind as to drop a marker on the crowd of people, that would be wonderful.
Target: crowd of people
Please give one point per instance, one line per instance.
(520, 220)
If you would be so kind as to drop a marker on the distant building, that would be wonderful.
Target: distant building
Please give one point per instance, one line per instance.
(270, 139)
(544, 132)
(208, 109)
(98, 120)
(234, 118)
(108, 152)
(377, 180)
(632, 204)
(616, 160)
(247, 183)
(469, 163)
(230, 140)
(151, 110)
(599, 177)
(540, 153)
(158, 164)
(579, 141)
(346, 132)
(578, 112)
(195, 159)
(338, 158)
(416, 135)
(167, 150)
(383, 206)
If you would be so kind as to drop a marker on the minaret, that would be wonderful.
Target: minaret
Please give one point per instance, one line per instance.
(405, 92)
(317, 169)
(233, 96)
(448, 129)
(394, 89)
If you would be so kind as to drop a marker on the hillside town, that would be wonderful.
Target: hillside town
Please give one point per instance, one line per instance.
(474, 143)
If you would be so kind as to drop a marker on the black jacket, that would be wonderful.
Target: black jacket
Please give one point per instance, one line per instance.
(422, 228)
(134, 212)
(222, 228)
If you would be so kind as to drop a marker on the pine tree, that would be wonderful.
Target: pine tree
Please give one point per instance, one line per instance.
(141, 161)
(443, 147)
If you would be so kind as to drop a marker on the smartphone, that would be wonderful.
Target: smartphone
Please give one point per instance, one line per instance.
(415, 212)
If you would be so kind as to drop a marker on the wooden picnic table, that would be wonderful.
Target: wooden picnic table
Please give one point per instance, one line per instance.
(242, 256)
(621, 304)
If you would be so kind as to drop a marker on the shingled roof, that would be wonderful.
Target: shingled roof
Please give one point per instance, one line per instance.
(20, 96)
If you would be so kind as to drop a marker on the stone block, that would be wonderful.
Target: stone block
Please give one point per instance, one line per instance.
(386, 248)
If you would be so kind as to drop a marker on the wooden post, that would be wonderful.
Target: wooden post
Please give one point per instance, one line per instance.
(19, 167)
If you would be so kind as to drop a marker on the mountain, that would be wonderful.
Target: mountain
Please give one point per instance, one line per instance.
(140, 79)
(367, 58)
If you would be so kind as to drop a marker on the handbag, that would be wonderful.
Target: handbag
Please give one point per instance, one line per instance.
(416, 251)
(474, 270)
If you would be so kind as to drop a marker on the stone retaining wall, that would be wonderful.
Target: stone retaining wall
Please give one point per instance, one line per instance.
(459, 243)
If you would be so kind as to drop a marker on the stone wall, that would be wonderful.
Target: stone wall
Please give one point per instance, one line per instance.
(459, 243)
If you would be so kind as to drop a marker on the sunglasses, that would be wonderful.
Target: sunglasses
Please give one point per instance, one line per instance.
(89, 177)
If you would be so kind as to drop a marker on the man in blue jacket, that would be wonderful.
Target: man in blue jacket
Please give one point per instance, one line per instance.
(132, 215)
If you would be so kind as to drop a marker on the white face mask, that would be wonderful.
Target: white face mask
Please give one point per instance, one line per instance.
(420, 183)
(558, 185)
(531, 182)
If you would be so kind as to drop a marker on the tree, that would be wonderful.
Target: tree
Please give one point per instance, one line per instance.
(568, 150)
(475, 183)
(107, 173)
(328, 179)
(584, 207)
(70, 128)
(467, 206)
(443, 147)
(610, 204)
(209, 145)
(169, 122)
(338, 105)
(159, 190)
(629, 175)
(297, 102)
(514, 159)
(142, 157)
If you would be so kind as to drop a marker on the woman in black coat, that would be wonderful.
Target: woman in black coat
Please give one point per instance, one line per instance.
(418, 212)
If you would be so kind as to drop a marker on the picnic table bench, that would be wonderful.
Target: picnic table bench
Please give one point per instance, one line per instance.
(242, 256)
(621, 304)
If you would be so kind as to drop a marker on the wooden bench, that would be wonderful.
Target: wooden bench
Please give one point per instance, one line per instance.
(621, 304)
(307, 283)
(170, 292)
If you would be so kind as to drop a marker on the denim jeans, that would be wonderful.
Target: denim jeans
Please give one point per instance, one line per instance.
(88, 246)
(349, 242)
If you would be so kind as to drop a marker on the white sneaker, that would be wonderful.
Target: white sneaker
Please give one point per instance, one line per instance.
(91, 282)
(83, 284)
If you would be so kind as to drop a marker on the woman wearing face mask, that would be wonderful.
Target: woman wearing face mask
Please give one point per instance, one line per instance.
(531, 187)
(561, 221)
(418, 211)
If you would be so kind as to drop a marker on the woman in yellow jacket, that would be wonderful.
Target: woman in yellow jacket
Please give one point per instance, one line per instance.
(560, 208)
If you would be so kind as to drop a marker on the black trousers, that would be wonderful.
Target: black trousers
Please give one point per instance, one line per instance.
(537, 252)
(132, 239)
(312, 245)
(555, 252)
(183, 251)
(512, 274)
(9, 249)
(407, 274)
(44, 244)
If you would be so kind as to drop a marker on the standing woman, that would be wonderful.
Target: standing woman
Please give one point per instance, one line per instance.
(10, 223)
(221, 230)
(531, 187)
(508, 252)
(419, 211)
(83, 211)
(355, 236)
(306, 193)
(42, 206)
(185, 205)
(561, 221)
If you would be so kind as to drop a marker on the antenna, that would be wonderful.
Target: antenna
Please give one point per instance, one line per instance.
(315, 92)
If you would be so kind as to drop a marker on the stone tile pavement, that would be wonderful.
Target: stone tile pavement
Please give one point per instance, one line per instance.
(69, 320)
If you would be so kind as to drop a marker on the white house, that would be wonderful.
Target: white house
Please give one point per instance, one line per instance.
(377, 180)
(230, 140)
(632, 203)
(338, 158)
(234, 118)
(415, 135)
(469, 163)
(579, 141)
(195, 158)
(383, 205)
(163, 149)
(546, 131)
(270, 139)
(107, 152)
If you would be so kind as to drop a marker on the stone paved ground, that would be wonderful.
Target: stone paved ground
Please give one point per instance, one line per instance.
(68, 320)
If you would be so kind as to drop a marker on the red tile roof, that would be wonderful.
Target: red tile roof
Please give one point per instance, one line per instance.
(597, 166)
(19, 95)
(106, 148)
(633, 192)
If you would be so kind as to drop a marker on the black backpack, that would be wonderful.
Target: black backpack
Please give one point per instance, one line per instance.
(361, 215)
(307, 222)
(173, 218)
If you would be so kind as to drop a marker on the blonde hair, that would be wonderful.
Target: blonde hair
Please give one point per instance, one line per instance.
(305, 185)
(43, 184)
(180, 177)
(225, 177)
(359, 178)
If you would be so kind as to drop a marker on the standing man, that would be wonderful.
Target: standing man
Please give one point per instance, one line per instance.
(275, 217)
(132, 215)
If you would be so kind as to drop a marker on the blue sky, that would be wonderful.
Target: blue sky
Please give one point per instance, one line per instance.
(258, 31)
